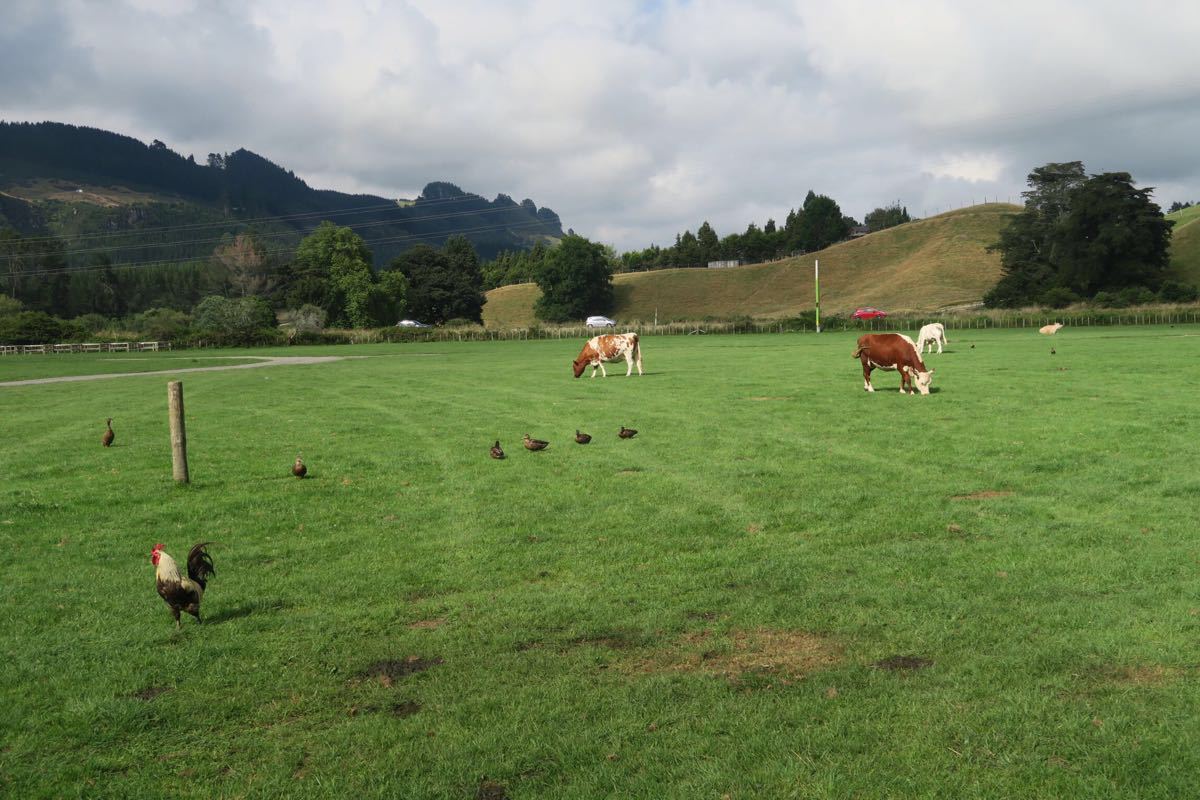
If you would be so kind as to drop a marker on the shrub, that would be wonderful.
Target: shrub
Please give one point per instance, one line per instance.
(161, 324)
(9, 305)
(1177, 292)
(307, 319)
(1136, 295)
(1108, 300)
(1058, 297)
(246, 320)
(92, 323)
(34, 327)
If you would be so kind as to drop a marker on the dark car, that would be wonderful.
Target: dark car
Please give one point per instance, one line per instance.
(868, 313)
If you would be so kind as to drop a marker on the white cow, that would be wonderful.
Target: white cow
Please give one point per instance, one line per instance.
(1050, 330)
(931, 334)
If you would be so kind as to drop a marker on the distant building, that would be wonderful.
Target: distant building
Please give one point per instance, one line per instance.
(859, 230)
(723, 264)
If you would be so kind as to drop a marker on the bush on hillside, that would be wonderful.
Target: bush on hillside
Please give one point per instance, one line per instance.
(162, 324)
(35, 327)
(1177, 292)
(1058, 297)
(246, 320)
(92, 323)
(9, 305)
(1136, 296)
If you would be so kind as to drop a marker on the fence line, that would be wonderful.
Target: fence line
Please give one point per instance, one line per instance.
(694, 328)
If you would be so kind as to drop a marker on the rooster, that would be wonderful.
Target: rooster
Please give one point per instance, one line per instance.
(180, 593)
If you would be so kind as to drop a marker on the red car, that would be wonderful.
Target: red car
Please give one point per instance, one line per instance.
(868, 313)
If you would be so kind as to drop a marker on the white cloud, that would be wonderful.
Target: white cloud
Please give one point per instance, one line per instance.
(633, 120)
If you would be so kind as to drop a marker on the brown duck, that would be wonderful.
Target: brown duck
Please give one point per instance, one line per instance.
(496, 451)
(298, 469)
(535, 444)
(582, 438)
(626, 433)
(107, 438)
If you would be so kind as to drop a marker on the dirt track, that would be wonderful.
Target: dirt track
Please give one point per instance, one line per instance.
(266, 361)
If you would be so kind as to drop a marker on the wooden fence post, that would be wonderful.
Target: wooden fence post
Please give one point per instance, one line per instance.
(179, 465)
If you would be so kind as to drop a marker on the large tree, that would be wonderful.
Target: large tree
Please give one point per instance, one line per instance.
(332, 269)
(443, 284)
(244, 260)
(1080, 234)
(576, 281)
(820, 224)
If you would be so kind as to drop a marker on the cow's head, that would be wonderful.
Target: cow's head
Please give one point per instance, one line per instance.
(579, 365)
(922, 380)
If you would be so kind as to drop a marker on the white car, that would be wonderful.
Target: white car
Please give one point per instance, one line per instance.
(410, 323)
(600, 322)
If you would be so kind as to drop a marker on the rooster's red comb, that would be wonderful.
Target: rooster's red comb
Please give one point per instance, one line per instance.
(157, 547)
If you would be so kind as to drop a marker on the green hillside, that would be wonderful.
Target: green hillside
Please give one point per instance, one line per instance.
(923, 265)
(151, 203)
(1185, 244)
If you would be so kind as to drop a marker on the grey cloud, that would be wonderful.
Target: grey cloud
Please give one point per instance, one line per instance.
(632, 121)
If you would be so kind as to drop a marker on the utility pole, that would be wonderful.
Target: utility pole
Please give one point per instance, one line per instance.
(817, 289)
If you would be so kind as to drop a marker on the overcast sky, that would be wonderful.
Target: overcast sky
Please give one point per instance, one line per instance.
(634, 120)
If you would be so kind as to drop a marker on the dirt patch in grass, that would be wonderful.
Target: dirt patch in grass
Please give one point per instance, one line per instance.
(406, 708)
(612, 641)
(791, 655)
(491, 790)
(428, 624)
(903, 663)
(1146, 675)
(390, 670)
(987, 494)
(151, 692)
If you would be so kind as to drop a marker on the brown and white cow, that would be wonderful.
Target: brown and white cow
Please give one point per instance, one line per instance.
(1050, 330)
(893, 351)
(609, 347)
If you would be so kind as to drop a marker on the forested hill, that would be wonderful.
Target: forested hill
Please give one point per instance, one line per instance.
(71, 181)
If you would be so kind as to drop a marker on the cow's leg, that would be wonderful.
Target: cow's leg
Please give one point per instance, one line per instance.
(939, 342)
(637, 349)
(867, 376)
(593, 370)
(629, 363)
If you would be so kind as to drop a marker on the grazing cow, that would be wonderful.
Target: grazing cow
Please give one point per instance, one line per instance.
(1050, 330)
(893, 351)
(931, 334)
(609, 347)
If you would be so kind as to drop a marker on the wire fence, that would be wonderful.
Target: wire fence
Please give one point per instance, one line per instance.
(800, 324)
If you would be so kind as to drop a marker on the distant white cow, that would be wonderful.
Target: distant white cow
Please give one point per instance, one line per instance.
(1050, 330)
(931, 334)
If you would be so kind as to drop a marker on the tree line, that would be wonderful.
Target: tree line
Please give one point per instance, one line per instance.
(818, 223)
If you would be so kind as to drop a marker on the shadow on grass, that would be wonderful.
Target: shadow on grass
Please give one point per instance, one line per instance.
(237, 612)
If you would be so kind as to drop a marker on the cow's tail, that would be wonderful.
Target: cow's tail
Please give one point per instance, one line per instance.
(637, 352)
(858, 353)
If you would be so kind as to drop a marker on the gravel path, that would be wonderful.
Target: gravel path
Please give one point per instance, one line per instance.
(265, 361)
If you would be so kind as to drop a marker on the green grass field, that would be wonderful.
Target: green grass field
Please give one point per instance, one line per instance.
(783, 587)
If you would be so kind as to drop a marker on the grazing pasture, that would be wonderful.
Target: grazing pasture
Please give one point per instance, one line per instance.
(782, 587)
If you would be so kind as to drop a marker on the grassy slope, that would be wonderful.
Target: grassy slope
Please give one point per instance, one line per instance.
(1185, 244)
(924, 265)
(568, 593)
